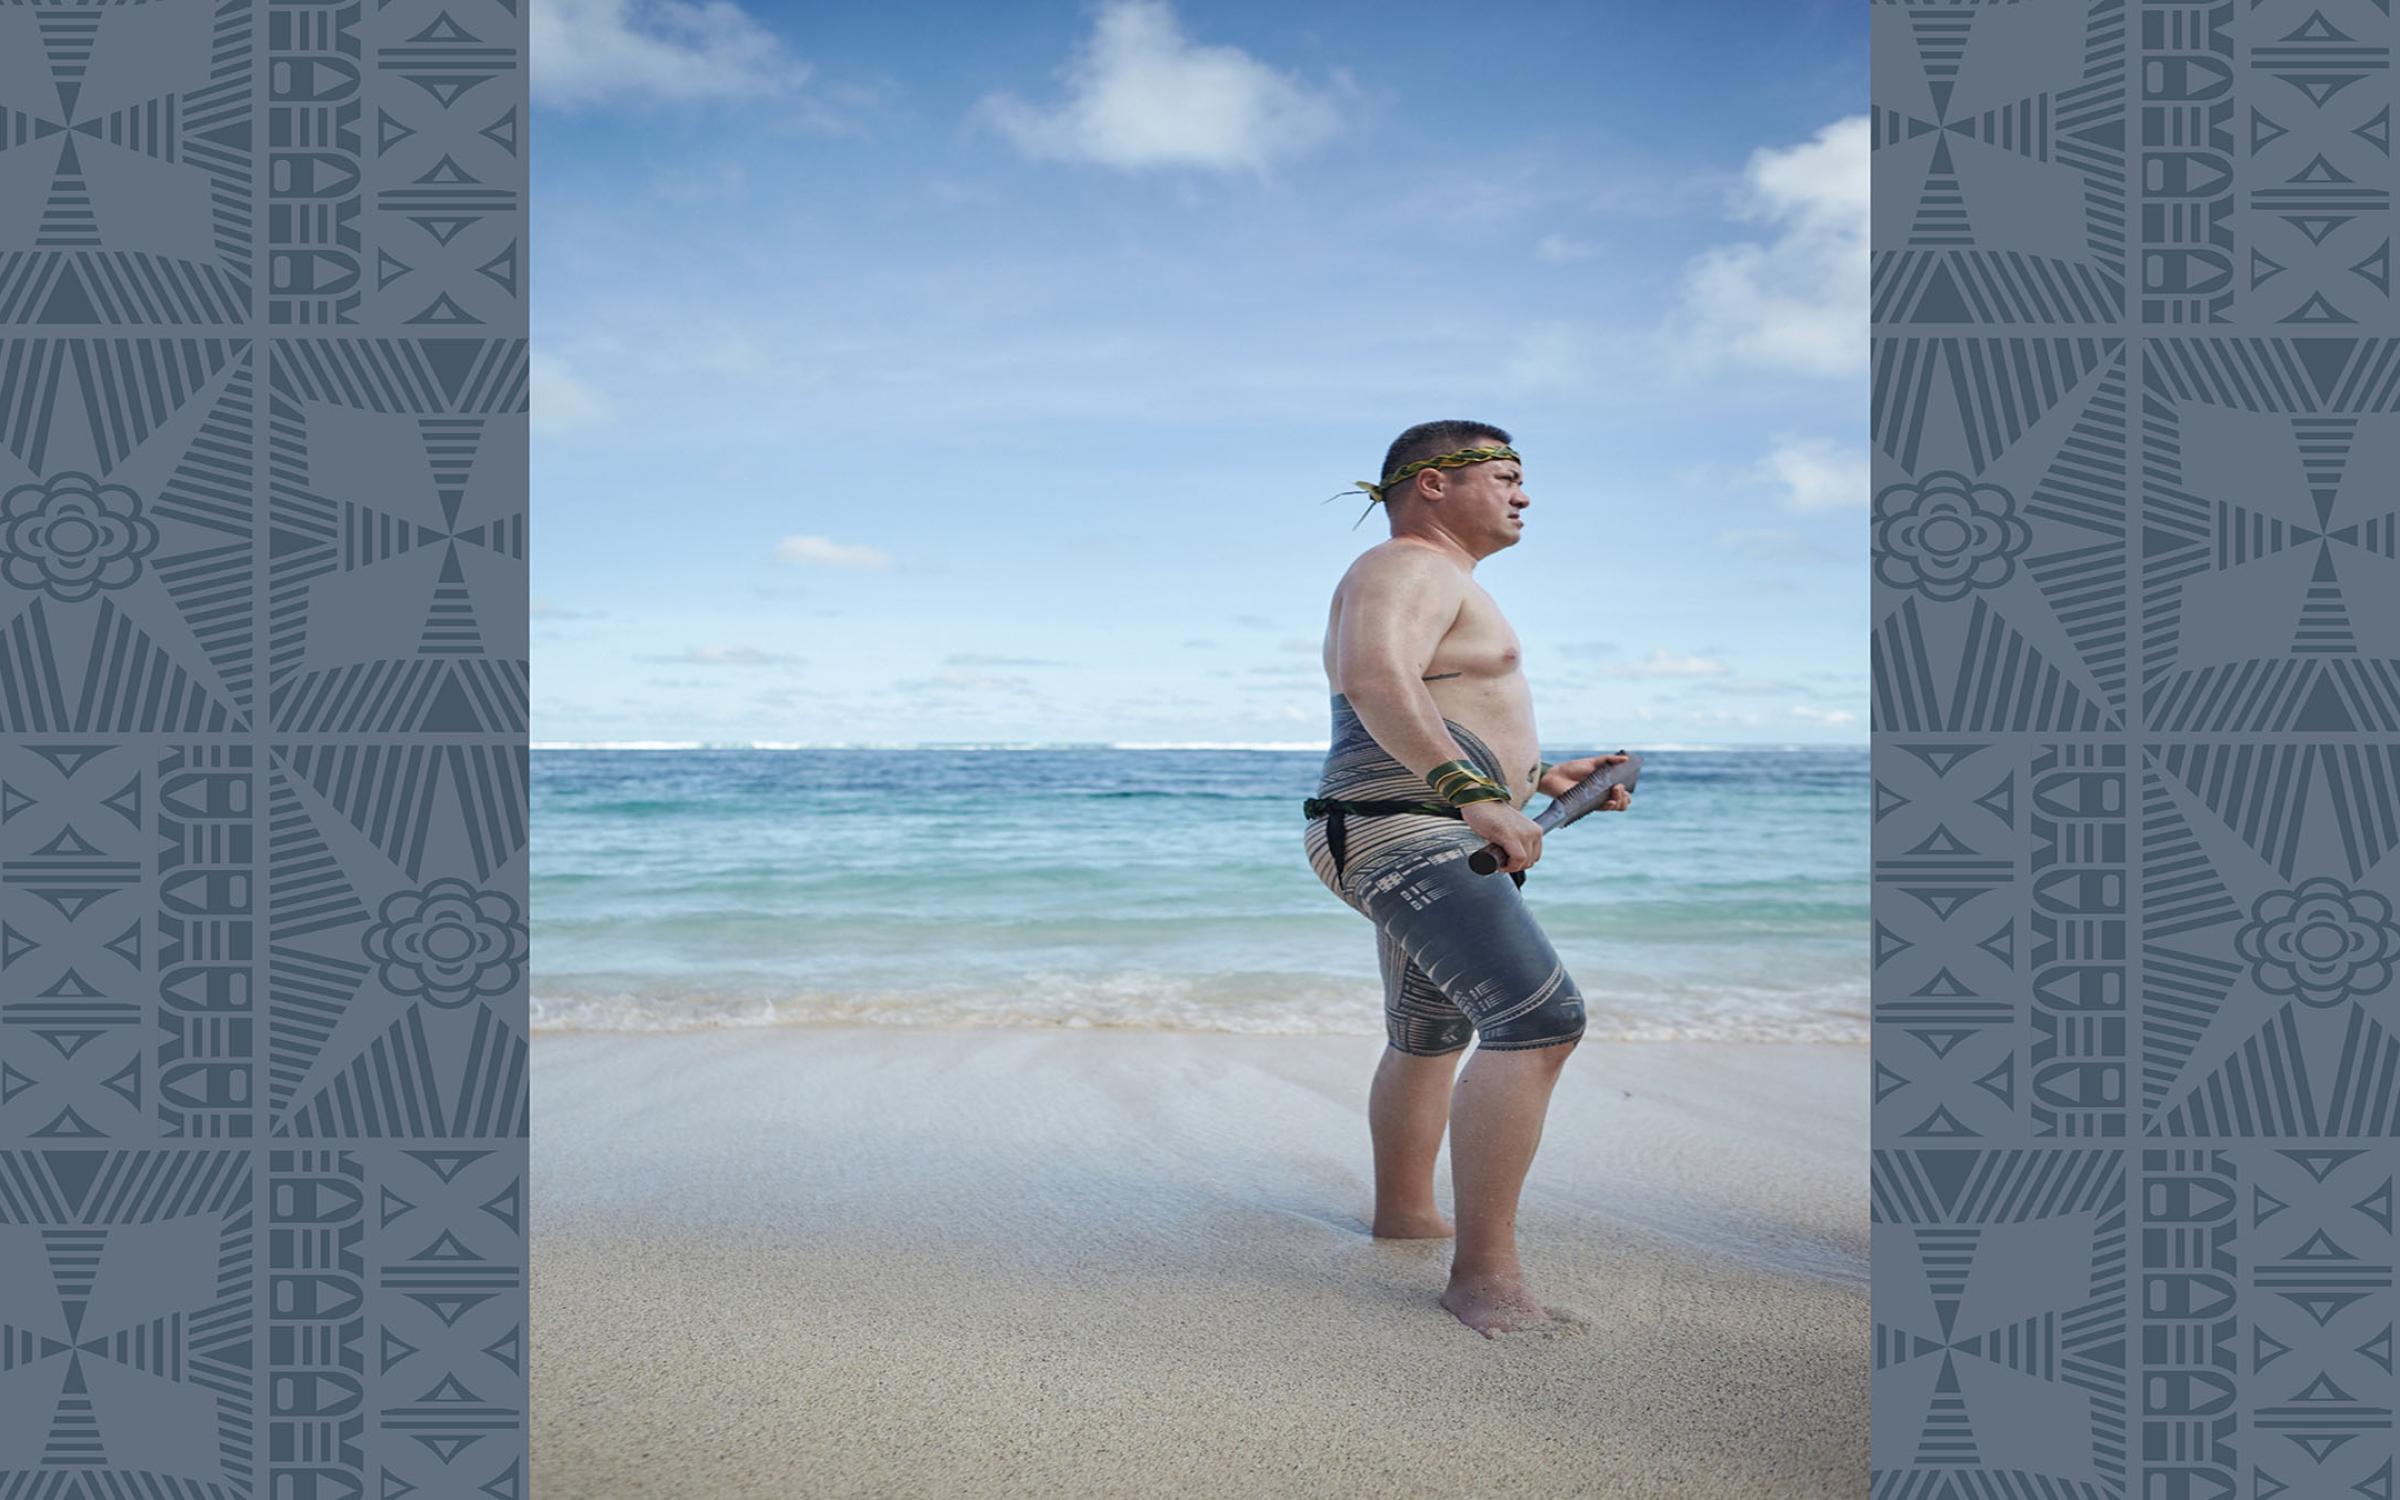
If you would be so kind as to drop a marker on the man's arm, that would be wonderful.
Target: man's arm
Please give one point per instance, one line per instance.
(1399, 605)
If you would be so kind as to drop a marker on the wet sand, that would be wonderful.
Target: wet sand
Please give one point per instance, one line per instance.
(821, 1261)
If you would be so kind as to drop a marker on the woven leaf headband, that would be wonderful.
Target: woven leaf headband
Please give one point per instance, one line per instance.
(1458, 460)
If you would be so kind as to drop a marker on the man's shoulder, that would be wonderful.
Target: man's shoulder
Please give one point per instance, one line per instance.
(1397, 563)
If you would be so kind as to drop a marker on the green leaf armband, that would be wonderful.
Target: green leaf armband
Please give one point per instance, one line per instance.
(1458, 783)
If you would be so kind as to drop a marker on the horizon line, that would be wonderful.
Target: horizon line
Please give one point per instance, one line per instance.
(1269, 746)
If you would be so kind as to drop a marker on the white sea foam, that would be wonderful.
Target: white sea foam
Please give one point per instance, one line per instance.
(1315, 745)
(1057, 745)
(1244, 1004)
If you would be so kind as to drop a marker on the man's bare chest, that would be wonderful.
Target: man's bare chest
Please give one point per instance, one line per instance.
(1479, 644)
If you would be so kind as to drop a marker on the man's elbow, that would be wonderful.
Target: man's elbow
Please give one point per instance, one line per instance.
(1380, 681)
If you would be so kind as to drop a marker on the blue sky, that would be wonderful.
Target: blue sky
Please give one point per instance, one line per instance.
(966, 372)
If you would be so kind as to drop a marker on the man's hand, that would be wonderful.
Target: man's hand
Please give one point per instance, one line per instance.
(1518, 836)
(1561, 778)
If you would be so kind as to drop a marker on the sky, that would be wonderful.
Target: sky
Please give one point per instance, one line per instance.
(959, 373)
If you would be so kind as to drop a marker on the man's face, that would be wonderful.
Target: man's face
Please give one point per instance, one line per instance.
(1486, 501)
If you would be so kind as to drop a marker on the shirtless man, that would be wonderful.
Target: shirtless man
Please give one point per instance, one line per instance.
(1433, 754)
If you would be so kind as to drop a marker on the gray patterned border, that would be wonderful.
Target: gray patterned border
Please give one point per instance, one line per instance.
(2136, 666)
(263, 801)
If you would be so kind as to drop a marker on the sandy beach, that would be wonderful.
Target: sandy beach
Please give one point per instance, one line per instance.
(850, 1261)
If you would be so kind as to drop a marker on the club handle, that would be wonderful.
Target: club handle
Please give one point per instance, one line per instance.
(1581, 798)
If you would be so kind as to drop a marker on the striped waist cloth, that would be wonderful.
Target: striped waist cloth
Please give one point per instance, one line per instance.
(1318, 807)
(1332, 810)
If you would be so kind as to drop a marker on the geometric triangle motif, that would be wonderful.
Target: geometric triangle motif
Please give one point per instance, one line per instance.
(1943, 872)
(2002, 944)
(2379, 1349)
(451, 1305)
(1889, 945)
(2316, 310)
(2375, 268)
(503, 132)
(2325, 442)
(447, 1164)
(2259, 791)
(1939, 1042)
(2318, 1162)
(2005, 684)
(2000, 801)
(392, 798)
(2265, 1349)
(442, 310)
(2000, 1082)
(130, 683)
(2317, 70)
(450, 624)
(2378, 131)
(388, 1089)
(1941, 1123)
(2377, 1206)
(1942, 757)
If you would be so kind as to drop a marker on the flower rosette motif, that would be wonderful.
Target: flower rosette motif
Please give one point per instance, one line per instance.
(449, 943)
(1946, 535)
(2321, 943)
(71, 536)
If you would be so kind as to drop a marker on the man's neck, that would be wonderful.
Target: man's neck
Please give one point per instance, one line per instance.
(1443, 542)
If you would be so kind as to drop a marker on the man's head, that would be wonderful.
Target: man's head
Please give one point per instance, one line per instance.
(1476, 503)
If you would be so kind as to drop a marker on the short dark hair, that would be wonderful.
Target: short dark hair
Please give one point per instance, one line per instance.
(1432, 439)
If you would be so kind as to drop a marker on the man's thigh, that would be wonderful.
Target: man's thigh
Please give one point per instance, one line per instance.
(1476, 944)
(1417, 1017)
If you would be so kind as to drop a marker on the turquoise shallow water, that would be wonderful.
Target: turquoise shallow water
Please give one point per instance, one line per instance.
(1158, 888)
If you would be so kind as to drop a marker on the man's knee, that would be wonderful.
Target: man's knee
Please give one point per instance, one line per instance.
(1553, 1026)
(1552, 1047)
(1420, 1037)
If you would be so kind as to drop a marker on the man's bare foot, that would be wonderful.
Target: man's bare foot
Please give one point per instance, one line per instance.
(1424, 1224)
(1493, 1305)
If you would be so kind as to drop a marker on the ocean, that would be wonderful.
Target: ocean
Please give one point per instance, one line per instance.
(1158, 887)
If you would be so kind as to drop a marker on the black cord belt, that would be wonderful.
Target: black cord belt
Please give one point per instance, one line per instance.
(1333, 809)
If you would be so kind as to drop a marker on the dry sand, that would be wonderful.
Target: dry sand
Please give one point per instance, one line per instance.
(811, 1261)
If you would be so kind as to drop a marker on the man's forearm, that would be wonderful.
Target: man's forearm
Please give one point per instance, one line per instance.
(1406, 722)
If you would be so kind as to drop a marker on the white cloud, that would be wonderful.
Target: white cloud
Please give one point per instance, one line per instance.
(590, 51)
(981, 659)
(1665, 663)
(710, 182)
(547, 609)
(1550, 357)
(1760, 541)
(561, 401)
(821, 552)
(1798, 301)
(1818, 474)
(1752, 687)
(728, 656)
(1141, 94)
(953, 680)
(1559, 249)
(1822, 715)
